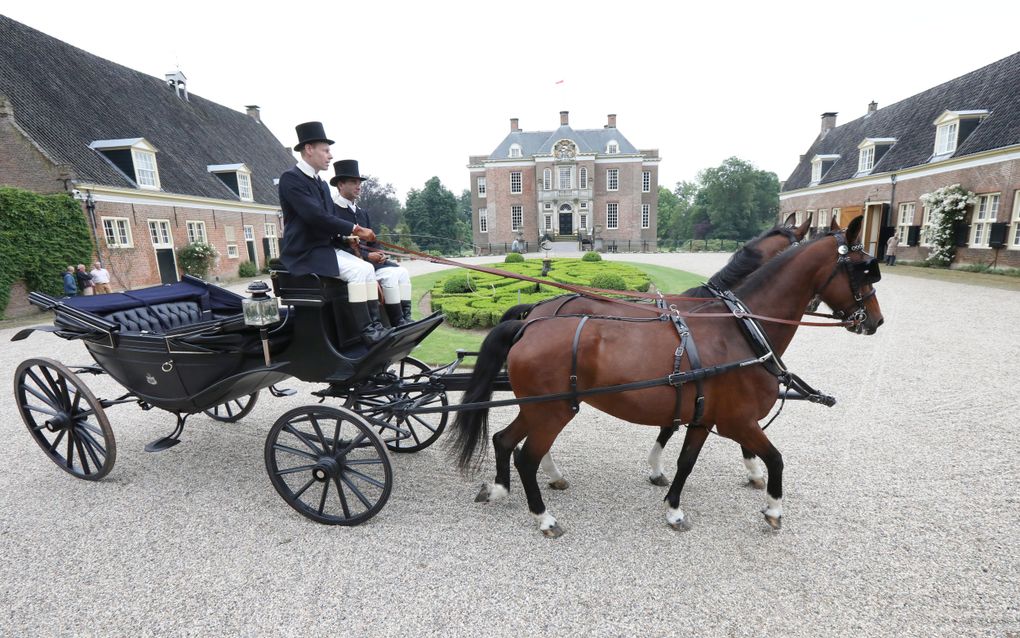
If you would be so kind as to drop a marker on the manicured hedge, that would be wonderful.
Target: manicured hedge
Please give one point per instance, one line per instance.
(489, 296)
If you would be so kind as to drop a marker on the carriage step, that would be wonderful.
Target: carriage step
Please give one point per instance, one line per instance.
(164, 443)
(281, 392)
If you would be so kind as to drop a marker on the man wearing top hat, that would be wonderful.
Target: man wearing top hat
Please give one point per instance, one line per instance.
(394, 278)
(312, 228)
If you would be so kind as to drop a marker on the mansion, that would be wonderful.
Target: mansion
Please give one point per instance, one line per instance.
(569, 184)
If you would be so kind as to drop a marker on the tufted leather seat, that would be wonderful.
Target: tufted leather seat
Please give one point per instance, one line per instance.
(157, 317)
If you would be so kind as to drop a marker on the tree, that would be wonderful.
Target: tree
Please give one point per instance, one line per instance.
(378, 200)
(675, 207)
(432, 216)
(736, 199)
(464, 206)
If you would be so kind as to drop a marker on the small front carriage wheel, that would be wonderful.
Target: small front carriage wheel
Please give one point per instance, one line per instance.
(65, 418)
(329, 465)
(233, 410)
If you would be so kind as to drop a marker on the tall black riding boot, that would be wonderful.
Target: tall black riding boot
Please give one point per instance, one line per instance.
(405, 307)
(370, 328)
(395, 315)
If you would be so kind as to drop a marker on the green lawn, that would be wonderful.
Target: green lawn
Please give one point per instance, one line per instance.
(440, 347)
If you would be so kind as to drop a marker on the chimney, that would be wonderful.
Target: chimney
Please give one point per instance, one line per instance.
(611, 120)
(828, 122)
(253, 112)
(513, 125)
(179, 83)
(872, 107)
(564, 118)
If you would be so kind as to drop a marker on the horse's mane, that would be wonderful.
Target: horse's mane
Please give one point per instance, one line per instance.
(743, 262)
(763, 275)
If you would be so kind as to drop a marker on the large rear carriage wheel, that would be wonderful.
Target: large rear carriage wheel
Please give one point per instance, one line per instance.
(65, 418)
(329, 465)
(402, 433)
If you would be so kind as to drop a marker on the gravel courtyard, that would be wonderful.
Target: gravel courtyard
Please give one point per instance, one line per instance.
(901, 513)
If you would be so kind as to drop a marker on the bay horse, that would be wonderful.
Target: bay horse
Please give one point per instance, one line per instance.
(540, 360)
(745, 261)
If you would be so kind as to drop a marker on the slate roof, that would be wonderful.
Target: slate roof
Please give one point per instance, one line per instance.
(65, 98)
(541, 142)
(993, 87)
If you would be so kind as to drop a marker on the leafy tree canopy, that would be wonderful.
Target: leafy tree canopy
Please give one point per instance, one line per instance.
(378, 199)
(432, 214)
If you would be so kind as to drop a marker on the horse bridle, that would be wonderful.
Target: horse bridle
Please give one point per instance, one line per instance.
(859, 274)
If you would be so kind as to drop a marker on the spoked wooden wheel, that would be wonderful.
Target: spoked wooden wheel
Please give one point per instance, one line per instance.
(65, 418)
(403, 433)
(233, 410)
(329, 465)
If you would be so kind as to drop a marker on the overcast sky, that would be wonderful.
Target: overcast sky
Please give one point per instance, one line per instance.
(412, 89)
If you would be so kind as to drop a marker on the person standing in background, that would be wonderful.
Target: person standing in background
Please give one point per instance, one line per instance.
(100, 279)
(70, 282)
(890, 250)
(84, 280)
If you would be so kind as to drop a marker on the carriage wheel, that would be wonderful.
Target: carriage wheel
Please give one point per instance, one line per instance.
(329, 465)
(233, 410)
(423, 429)
(65, 418)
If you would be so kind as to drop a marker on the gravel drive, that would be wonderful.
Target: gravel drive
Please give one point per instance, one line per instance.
(901, 513)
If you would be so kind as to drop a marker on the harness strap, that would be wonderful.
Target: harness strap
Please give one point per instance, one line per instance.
(564, 300)
(687, 343)
(575, 405)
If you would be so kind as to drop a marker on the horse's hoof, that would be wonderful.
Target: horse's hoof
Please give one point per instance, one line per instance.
(659, 480)
(682, 525)
(756, 483)
(553, 532)
(483, 495)
(775, 522)
(559, 484)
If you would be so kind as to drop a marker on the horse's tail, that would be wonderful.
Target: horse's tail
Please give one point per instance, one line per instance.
(471, 427)
(520, 311)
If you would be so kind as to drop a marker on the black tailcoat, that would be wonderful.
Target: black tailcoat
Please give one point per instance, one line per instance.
(310, 225)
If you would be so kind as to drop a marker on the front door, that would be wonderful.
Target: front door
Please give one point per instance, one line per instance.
(566, 220)
(872, 227)
(249, 242)
(163, 244)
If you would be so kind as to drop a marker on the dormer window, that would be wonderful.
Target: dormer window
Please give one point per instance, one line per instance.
(820, 165)
(515, 150)
(237, 177)
(612, 148)
(953, 127)
(135, 157)
(872, 149)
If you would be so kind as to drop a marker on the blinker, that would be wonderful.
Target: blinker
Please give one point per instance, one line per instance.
(867, 272)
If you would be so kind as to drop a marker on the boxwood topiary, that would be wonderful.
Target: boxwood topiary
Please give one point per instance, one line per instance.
(513, 258)
(591, 256)
(608, 281)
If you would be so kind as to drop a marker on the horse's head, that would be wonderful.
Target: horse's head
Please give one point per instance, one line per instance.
(849, 289)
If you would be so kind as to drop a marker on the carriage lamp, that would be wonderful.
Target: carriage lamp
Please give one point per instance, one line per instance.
(261, 310)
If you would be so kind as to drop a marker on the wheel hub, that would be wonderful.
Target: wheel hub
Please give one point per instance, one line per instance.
(60, 422)
(326, 468)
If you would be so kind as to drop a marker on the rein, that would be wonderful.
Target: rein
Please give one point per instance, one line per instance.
(601, 294)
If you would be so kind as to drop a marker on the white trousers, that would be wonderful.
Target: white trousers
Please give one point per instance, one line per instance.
(354, 270)
(395, 282)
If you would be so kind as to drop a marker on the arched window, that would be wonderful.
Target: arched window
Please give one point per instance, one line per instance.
(547, 179)
(582, 178)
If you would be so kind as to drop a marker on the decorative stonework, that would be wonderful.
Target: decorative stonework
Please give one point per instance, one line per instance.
(565, 150)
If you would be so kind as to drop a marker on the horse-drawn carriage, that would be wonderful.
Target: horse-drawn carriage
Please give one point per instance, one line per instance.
(192, 347)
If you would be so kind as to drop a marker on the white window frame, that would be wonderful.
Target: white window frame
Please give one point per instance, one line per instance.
(612, 147)
(230, 236)
(646, 181)
(481, 187)
(515, 150)
(244, 190)
(582, 221)
(547, 179)
(866, 159)
(483, 220)
(274, 242)
(548, 222)
(232, 252)
(146, 176)
(646, 215)
(584, 205)
(160, 234)
(1014, 230)
(816, 171)
(612, 179)
(612, 216)
(196, 228)
(568, 172)
(582, 178)
(926, 227)
(516, 183)
(118, 233)
(946, 137)
(516, 217)
(986, 212)
(906, 219)
(547, 206)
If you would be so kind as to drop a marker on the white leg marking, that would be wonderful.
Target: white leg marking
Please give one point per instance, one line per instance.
(549, 467)
(754, 472)
(773, 507)
(655, 460)
(497, 493)
(674, 516)
(545, 520)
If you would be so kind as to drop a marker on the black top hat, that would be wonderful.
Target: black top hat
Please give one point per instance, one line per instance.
(310, 132)
(345, 168)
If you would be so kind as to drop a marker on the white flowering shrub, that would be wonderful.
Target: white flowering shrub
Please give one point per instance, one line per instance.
(948, 206)
(197, 259)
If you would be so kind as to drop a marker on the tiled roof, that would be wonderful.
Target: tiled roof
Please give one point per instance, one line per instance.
(541, 142)
(65, 98)
(992, 88)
